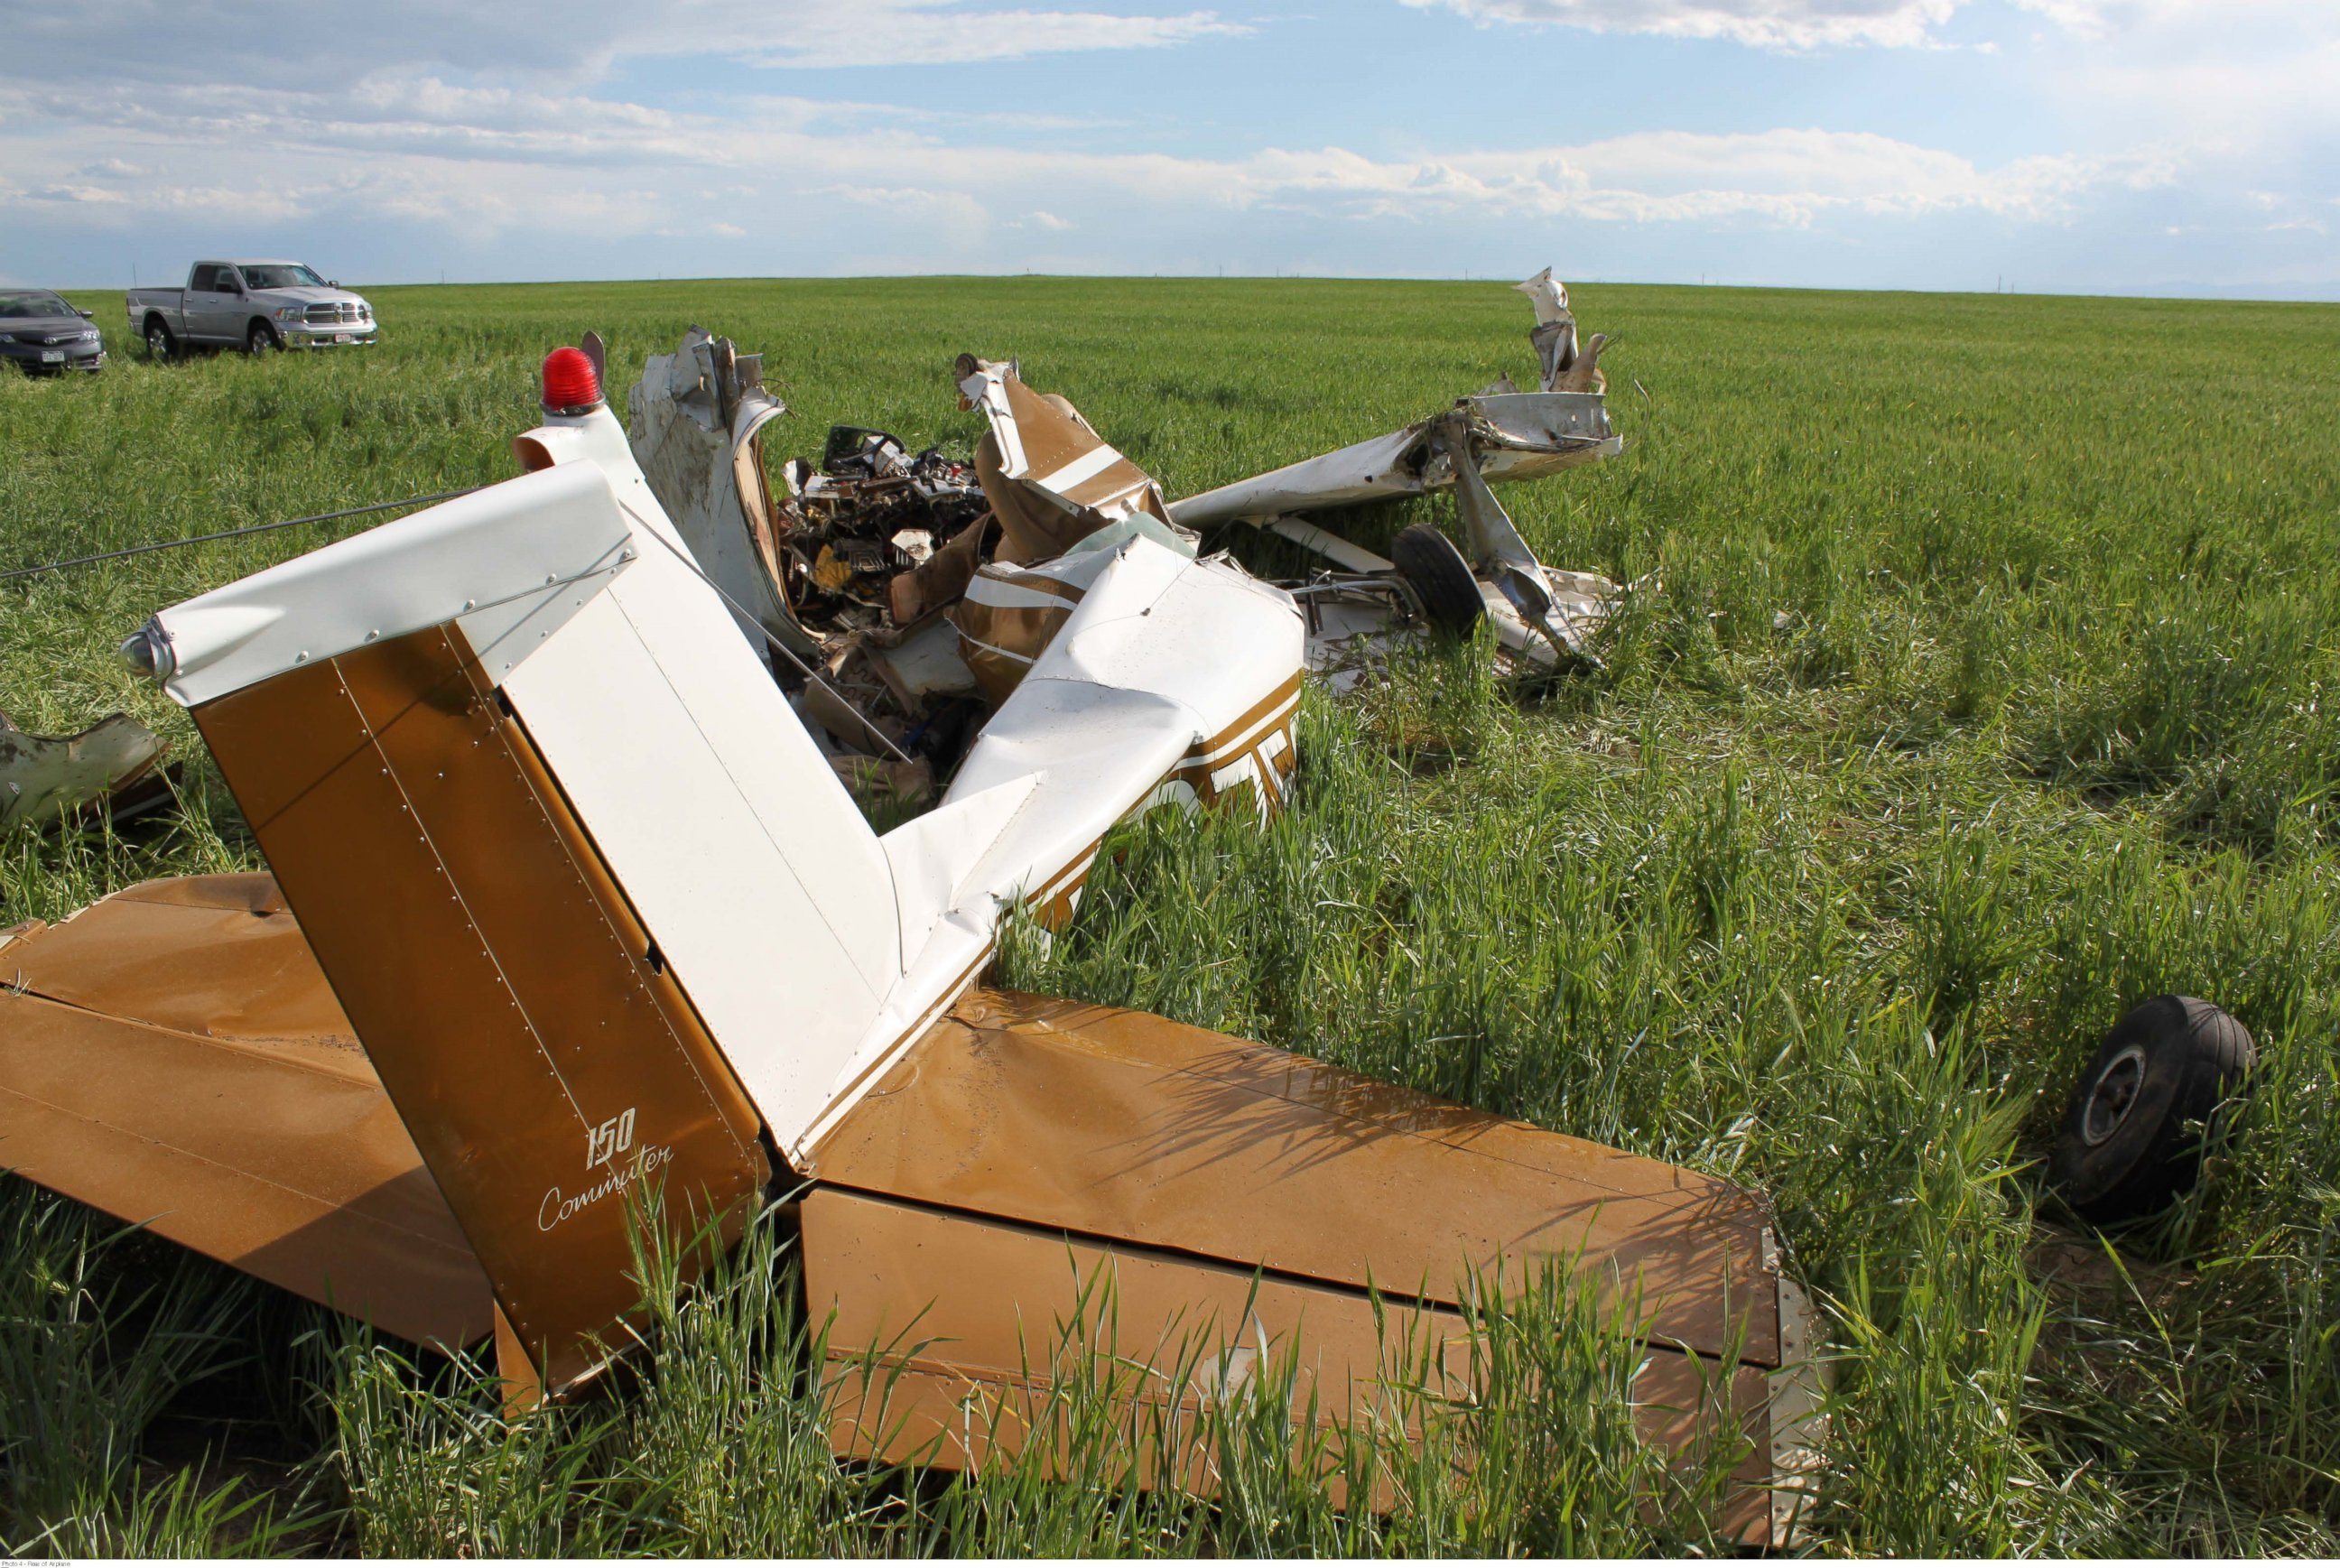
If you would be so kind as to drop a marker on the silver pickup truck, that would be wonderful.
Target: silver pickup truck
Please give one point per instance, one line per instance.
(254, 305)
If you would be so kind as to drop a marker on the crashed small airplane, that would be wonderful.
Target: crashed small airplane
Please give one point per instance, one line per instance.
(568, 899)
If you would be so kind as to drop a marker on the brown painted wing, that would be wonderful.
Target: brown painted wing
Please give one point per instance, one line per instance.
(174, 1055)
(961, 1212)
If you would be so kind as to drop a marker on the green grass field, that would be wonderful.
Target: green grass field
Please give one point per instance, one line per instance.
(1993, 686)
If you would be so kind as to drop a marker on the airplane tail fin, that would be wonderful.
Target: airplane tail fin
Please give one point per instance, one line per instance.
(598, 912)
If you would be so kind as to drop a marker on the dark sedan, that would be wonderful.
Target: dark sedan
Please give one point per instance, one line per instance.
(40, 331)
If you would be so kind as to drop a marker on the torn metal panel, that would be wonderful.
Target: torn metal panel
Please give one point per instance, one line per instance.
(1563, 367)
(174, 1056)
(1554, 337)
(1051, 478)
(1006, 619)
(1009, 614)
(697, 420)
(1514, 436)
(43, 777)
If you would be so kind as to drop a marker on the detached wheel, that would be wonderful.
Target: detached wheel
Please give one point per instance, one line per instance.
(2126, 1150)
(159, 346)
(260, 339)
(1440, 578)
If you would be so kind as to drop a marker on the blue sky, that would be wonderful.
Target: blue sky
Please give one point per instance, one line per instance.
(2153, 146)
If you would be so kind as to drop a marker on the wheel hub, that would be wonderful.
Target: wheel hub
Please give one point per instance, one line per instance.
(2113, 1096)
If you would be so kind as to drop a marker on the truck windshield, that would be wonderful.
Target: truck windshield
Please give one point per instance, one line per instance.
(31, 304)
(280, 275)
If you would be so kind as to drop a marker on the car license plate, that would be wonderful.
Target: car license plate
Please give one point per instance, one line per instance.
(53, 356)
(340, 337)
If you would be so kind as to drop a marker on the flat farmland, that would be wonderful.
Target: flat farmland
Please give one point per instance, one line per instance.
(1980, 682)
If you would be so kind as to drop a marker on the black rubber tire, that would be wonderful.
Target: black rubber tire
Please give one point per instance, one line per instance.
(160, 343)
(2126, 1150)
(1440, 578)
(261, 338)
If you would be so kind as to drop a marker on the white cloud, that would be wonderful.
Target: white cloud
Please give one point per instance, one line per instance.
(433, 134)
(1803, 24)
(2233, 99)
(2093, 19)
(1763, 24)
(1787, 177)
(421, 150)
(915, 34)
(2237, 75)
(578, 42)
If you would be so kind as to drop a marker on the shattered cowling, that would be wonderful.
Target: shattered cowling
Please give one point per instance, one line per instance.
(1542, 617)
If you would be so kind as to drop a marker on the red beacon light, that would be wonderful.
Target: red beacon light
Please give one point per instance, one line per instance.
(571, 384)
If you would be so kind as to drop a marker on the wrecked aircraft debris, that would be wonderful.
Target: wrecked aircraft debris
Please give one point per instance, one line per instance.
(1542, 616)
(818, 577)
(112, 769)
(866, 517)
(571, 749)
(1564, 368)
(922, 587)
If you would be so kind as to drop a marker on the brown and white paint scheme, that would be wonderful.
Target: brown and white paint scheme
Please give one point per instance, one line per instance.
(1055, 454)
(1513, 435)
(549, 646)
(569, 871)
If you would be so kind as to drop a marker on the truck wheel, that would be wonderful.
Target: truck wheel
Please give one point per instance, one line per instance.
(2127, 1149)
(159, 346)
(1440, 578)
(260, 339)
